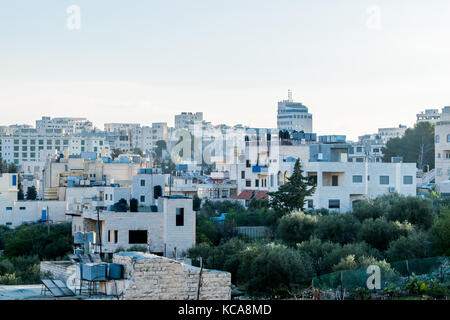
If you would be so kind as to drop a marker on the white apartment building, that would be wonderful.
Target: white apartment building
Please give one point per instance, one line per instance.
(16, 213)
(339, 183)
(430, 115)
(148, 186)
(30, 145)
(293, 116)
(66, 125)
(388, 133)
(9, 187)
(184, 119)
(442, 151)
(127, 136)
(170, 229)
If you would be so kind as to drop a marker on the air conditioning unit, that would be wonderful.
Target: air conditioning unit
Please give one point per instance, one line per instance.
(320, 156)
(391, 189)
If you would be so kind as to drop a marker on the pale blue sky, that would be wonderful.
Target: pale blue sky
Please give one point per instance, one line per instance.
(144, 61)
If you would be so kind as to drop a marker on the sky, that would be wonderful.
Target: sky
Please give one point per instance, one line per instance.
(358, 65)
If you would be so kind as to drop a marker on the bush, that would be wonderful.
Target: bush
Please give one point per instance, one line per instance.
(296, 227)
(271, 269)
(34, 239)
(341, 228)
(417, 245)
(380, 232)
(441, 231)
(415, 210)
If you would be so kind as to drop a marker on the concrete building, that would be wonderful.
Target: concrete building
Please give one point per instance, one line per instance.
(388, 133)
(33, 145)
(339, 182)
(430, 115)
(16, 213)
(184, 119)
(148, 185)
(168, 230)
(9, 187)
(65, 124)
(442, 152)
(294, 116)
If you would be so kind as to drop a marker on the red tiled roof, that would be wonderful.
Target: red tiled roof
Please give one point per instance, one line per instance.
(246, 195)
(262, 195)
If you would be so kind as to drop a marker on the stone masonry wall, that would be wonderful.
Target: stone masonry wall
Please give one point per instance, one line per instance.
(153, 277)
(61, 270)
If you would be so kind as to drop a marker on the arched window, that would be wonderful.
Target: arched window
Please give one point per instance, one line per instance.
(286, 176)
(280, 178)
(438, 139)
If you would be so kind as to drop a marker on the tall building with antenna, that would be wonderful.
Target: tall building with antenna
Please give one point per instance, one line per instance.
(293, 116)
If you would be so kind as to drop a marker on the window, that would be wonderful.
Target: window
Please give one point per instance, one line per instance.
(109, 235)
(310, 204)
(256, 183)
(438, 139)
(8, 208)
(142, 198)
(242, 174)
(358, 149)
(334, 181)
(384, 179)
(41, 141)
(359, 159)
(407, 180)
(247, 163)
(248, 183)
(180, 217)
(116, 236)
(334, 204)
(357, 179)
(142, 183)
(448, 138)
(22, 208)
(137, 236)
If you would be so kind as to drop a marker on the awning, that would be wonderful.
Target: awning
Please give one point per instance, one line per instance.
(262, 195)
(246, 194)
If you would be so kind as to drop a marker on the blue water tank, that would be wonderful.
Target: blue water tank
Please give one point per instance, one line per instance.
(115, 271)
(94, 271)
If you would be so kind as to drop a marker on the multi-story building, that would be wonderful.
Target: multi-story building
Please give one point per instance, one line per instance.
(339, 182)
(184, 119)
(32, 145)
(430, 115)
(294, 116)
(66, 125)
(388, 133)
(442, 152)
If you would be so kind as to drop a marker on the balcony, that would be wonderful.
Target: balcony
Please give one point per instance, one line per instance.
(259, 169)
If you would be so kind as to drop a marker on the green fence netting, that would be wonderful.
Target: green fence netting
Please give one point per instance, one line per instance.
(395, 273)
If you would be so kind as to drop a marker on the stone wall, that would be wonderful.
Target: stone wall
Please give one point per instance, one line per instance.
(61, 270)
(153, 277)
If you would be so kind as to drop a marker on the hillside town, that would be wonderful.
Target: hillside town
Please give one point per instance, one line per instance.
(139, 191)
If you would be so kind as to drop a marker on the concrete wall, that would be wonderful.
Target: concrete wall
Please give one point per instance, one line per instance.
(151, 277)
(15, 213)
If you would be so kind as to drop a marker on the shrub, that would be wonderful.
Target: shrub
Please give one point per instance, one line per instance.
(296, 227)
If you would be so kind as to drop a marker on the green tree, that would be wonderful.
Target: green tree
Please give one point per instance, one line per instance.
(31, 193)
(417, 145)
(115, 153)
(120, 206)
(20, 195)
(380, 232)
(296, 227)
(341, 228)
(416, 245)
(441, 231)
(291, 195)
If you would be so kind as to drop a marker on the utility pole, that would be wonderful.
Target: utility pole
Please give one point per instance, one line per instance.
(48, 222)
